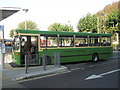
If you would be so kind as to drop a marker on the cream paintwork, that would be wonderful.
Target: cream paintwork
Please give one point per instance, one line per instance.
(31, 35)
(74, 47)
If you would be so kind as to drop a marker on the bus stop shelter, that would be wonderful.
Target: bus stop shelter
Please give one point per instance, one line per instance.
(5, 12)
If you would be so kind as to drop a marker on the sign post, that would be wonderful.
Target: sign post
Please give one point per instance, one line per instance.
(3, 46)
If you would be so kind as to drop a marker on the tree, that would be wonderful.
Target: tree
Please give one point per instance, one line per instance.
(112, 21)
(30, 26)
(88, 23)
(60, 27)
(11, 32)
(111, 7)
(55, 27)
(106, 19)
(67, 28)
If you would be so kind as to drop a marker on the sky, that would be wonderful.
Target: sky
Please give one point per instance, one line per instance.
(47, 12)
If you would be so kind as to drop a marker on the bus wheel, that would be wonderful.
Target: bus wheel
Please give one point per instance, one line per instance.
(49, 60)
(95, 57)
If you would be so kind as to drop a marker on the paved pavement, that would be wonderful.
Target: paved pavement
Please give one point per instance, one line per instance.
(19, 73)
(10, 75)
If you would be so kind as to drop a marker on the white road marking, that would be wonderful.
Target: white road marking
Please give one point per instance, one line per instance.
(92, 65)
(101, 75)
(82, 68)
(115, 57)
(75, 69)
(110, 72)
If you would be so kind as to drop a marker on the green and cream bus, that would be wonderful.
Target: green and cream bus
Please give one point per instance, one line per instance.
(72, 46)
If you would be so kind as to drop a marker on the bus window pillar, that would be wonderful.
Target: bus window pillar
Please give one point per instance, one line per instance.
(88, 42)
(110, 41)
(74, 40)
(46, 40)
(58, 37)
(100, 41)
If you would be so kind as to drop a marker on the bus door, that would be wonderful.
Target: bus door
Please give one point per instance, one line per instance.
(29, 46)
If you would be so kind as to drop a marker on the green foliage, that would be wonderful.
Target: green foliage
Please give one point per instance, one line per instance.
(88, 23)
(107, 23)
(112, 21)
(55, 27)
(11, 32)
(30, 25)
(60, 27)
(108, 18)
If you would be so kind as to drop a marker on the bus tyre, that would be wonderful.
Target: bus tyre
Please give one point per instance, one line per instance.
(95, 57)
(49, 60)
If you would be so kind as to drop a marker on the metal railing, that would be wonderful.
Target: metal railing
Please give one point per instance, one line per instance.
(43, 59)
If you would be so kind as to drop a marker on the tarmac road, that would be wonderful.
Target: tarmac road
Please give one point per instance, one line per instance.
(101, 74)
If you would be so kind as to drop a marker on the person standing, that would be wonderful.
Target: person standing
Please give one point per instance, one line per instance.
(27, 48)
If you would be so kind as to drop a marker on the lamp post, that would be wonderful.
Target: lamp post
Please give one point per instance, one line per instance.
(69, 25)
(26, 10)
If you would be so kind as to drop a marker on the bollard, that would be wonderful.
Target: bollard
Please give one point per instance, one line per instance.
(58, 59)
(25, 64)
(28, 57)
(36, 60)
(55, 60)
(44, 61)
(39, 59)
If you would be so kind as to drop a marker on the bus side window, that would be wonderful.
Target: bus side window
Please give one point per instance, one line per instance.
(94, 41)
(66, 41)
(81, 41)
(42, 41)
(105, 41)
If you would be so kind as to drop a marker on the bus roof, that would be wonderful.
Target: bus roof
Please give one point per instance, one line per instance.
(60, 33)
